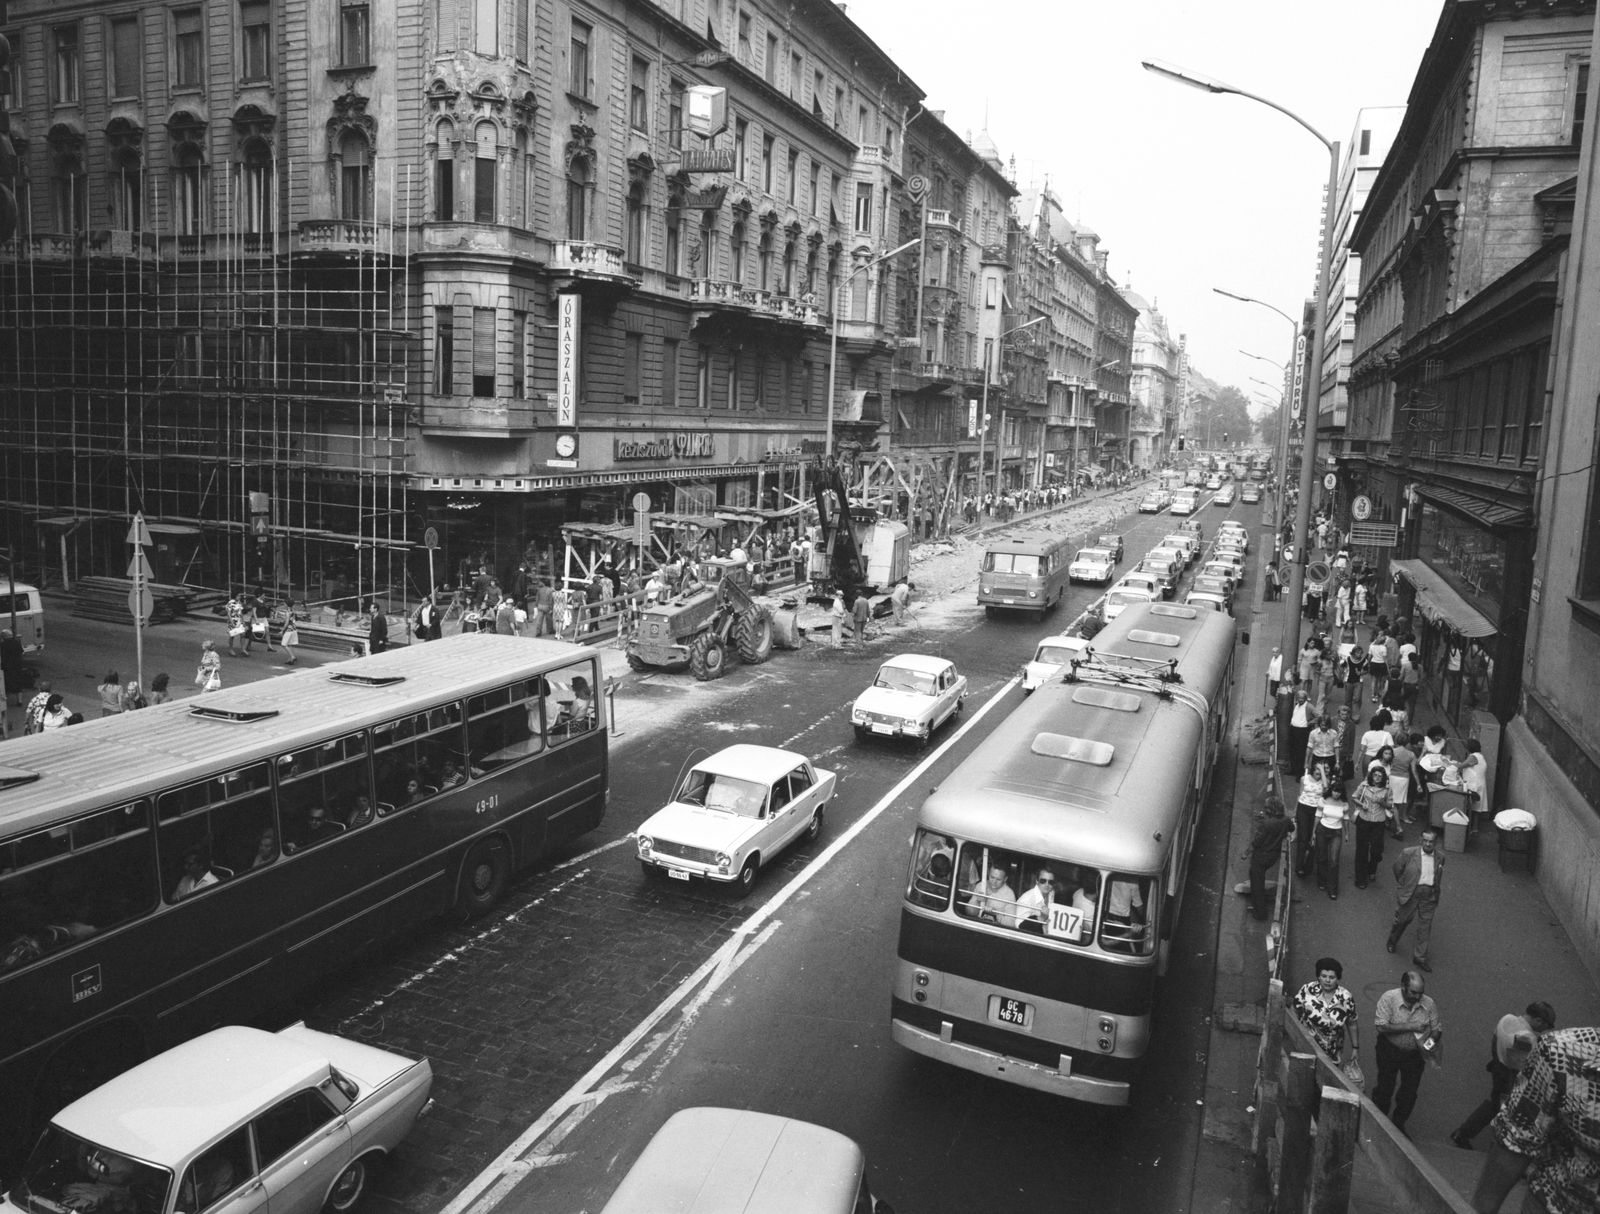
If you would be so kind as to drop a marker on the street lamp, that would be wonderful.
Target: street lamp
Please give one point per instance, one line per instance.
(983, 409)
(1308, 455)
(833, 348)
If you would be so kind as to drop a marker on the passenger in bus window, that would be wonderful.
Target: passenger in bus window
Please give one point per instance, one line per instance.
(998, 901)
(1086, 897)
(1037, 898)
(451, 775)
(413, 792)
(196, 876)
(266, 849)
(361, 813)
(317, 828)
(970, 880)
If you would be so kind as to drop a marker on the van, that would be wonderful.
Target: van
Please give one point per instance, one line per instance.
(29, 606)
(1028, 573)
(729, 1161)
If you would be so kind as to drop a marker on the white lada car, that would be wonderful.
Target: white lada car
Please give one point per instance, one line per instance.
(733, 813)
(1096, 565)
(911, 697)
(1050, 659)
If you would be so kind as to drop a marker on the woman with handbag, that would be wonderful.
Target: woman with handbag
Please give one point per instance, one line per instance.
(209, 675)
(1328, 1012)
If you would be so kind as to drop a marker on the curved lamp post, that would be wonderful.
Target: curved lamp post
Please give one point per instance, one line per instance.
(833, 348)
(1284, 418)
(1308, 457)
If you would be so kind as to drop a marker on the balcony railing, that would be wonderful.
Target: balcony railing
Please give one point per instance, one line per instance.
(586, 257)
(943, 219)
(343, 236)
(875, 154)
(722, 294)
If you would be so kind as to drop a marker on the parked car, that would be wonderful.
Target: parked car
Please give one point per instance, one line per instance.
(1207, 599)
(1151, 503)
(1166, 552)
(911, 696)
(733, 813)
(734, 1161)
(1092, 565)
(237, 1113)
(1114, 543)
(1221, 569)
(1233, 532)
(1051, 656)
(1125, 594)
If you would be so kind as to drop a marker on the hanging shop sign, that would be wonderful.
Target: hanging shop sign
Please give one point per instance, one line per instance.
(1299, 374)
(708, 160)
(568, 318)
(1361, 508)
(681, 444)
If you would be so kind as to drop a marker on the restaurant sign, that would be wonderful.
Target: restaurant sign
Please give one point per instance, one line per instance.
(680, 444)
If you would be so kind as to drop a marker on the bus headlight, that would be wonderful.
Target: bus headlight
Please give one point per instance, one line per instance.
(1108, 1034)
(1033, 594)
(645, 845)
(723, 862)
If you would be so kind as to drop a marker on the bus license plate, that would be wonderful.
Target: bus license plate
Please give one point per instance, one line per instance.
(1010, 1011)
(1009, 602)
(677, 874)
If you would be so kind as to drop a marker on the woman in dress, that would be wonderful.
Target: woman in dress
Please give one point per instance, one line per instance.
(209, 676)
(1328, 1011)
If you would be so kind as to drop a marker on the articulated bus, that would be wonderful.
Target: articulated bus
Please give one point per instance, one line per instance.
(1047, 872)
(197, 863)
(1027, 573)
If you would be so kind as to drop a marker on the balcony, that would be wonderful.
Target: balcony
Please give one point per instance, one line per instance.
(738, 312)
(874, 155)
(478, 416)
(945, 220)
(341, 236)
(595, 271)
(862, 337)
(477, 238)
(44, 246)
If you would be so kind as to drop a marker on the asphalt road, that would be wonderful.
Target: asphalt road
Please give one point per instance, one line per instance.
(550, 990)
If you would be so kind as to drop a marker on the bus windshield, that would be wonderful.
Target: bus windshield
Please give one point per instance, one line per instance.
(1011, 562)
(67, 1173)
(1034, 894)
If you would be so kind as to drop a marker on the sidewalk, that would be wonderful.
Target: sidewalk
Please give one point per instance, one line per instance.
(1496, 947)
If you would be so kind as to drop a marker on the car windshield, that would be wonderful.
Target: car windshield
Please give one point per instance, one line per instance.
(898, 678)
(66, 1173)
(1056, 655)
(1111, 541)
(1011, 562)
(746, 798)
(1121, 598)
(1093, 555)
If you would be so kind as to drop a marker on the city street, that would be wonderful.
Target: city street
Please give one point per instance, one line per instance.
(514, 1010)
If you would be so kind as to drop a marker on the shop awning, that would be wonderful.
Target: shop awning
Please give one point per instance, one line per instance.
(1481, 510)
(1439, 603)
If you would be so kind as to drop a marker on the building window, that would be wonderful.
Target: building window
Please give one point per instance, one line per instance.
(523, 18)
(797, 74)
(816, 175)
(127, 58)
(256, 183)
(702, 377)
(764, 262)
(788, 268)
(736, 244)
(770, 67)
(355, 35)
(578, 63)
(674, 234)
(635, 225)
(741, 137)
(14, 97)
(806, 390)
(759, 387)
(675, 114)
(1580, 101)
(578, 200)
(188, 42)
(444, 351)
(355, 178)
(639, 95)
(1366, 143)
(127, 197)
(66, 40)
(444, 175)
(485, 178)
(746, 51)
(632, 367)
(528, 164)
(519, 354)
(791, 188)
(818, 85)
(255, 22)
(766, 163)
(188, 183)
(862, 135)
(69, 196)
(863, 206)
(811, 271)
(487, 21)
(483, 351)
(669, 373)
(733, 379)
(838, 108)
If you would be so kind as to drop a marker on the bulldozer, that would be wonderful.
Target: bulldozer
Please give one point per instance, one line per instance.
(714, 614)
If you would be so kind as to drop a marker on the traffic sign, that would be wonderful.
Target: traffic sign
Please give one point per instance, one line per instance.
(430, 538)
(139, 567)
(141, 602)
(138, 533)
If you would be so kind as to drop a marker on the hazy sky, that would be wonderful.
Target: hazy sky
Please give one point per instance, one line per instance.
(1188, 190)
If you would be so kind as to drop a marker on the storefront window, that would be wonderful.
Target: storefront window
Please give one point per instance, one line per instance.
(1471, 559)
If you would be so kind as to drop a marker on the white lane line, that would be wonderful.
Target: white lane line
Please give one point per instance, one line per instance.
(591, 853)
(491, 1186)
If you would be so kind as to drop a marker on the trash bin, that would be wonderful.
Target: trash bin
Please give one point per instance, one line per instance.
(1518, 838)
(1455, 830)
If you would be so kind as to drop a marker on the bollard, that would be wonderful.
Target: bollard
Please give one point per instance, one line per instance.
(611, 706)
(1298, 1096)
(1338, 1131)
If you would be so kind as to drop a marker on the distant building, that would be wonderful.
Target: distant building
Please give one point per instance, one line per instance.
(1153, 389)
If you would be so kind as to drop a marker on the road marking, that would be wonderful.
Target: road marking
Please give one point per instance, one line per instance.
(492, 1185)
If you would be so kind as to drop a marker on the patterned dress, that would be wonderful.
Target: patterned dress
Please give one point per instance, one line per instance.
(1325, 1015)
(1553, 1117)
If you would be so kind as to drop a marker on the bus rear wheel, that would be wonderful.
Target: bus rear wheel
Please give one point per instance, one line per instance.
(484, 878)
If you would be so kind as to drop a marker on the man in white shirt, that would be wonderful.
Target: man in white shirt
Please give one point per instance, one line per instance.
(998, 901)
(1418, 874)
(1300, 719)
(1035, 901)
(1274, 673)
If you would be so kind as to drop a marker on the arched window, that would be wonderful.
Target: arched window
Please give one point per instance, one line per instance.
(633, 253)
(188, 191)
(737, 247)
(788, 268)
(256, 187)
(524, 212)
(708, 245)
(578, 200)
(484, 175)
(127, 192)
(674, 233)
(70, 194)
(764, 262)
(444, 173)
(355, 177)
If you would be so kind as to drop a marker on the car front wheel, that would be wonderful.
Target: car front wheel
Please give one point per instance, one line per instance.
(347, 1190)
(746, 880)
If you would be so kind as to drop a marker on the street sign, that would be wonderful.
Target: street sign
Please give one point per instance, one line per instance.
(1374, 535)
(139, 567)
(641, 503)
(138, 533)
(430, 538)
(1361, 508)
(141, 602)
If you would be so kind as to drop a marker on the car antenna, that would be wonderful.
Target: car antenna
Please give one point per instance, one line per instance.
(678, 782)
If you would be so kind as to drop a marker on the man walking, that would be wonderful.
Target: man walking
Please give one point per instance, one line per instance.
(899, 598)
(860, 614)
(544, 602)
(1409, 1033)
(837, 613)
(1418, 874)
(1509, 1050)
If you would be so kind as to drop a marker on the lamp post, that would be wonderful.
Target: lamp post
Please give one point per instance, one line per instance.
(1284, 418)
(833, 348)
(989, 356)
(1308, 456)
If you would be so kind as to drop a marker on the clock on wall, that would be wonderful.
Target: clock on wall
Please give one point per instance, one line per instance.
(566, 445)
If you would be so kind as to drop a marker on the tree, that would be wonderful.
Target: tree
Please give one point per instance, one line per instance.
(1221, 418)
(1267, 426)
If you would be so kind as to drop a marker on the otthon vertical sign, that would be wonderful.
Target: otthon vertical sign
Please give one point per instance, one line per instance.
(1299, 375)
(568, 321)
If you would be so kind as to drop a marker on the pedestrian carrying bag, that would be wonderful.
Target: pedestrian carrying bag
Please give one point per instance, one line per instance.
(1353, 1075)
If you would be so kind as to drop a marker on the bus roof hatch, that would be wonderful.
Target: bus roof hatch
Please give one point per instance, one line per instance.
(1079, 750)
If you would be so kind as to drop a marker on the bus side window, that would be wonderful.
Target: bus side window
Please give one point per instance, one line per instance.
(1126, 924)
(570, 708)
(76, 882)
(219, 833)
(932, 864)
(503, 727)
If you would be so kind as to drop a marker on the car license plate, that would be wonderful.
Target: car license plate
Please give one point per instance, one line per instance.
(1010, 1011)
(876, 728)
(677, 874)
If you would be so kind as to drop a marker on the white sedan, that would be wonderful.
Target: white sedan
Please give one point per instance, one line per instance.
(734, 812)
(1052, 654)
(1123, 595)
(1092, 565)
(239, 1120)
(911, 697)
